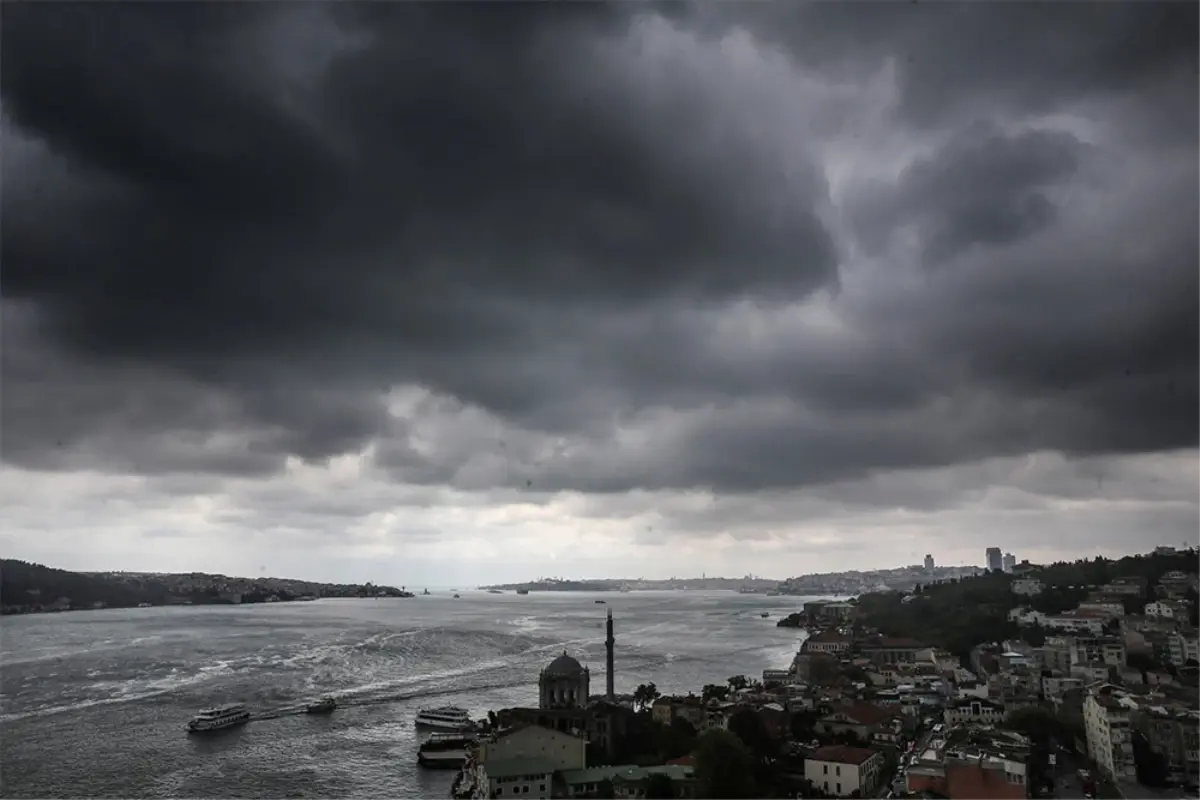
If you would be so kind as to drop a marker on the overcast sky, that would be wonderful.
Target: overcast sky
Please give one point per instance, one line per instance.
(445, 294)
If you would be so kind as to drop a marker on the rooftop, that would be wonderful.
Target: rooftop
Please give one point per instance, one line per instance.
(842, 754)
(512, 767)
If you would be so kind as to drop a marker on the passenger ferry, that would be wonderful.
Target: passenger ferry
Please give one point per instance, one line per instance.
(446, 750)
(445, 718)
(214, 719)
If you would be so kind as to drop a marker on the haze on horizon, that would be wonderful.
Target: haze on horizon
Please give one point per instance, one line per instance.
(456, 294)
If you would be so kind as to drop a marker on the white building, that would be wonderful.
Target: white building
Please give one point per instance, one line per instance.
(1008, 562)
(1109, 650)
(1106, 718)
(1112, 607)
(1055, 686)
(1165, 609)
(841, 770)
(1077, 621)
(974, 710)
(1027, 586)
(1184, 647)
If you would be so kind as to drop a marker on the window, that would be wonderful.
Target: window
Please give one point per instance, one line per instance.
(824, 769)
(839, 788)
(499, 791)
(838, 770)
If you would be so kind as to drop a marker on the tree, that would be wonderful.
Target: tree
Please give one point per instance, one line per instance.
(1034, 635)
(1151, 765)
(645, 695)
(714, 691)
(804, 725)
(738, 682)
(749, 728)
(604, 790)
(724, 767)
(659, 785)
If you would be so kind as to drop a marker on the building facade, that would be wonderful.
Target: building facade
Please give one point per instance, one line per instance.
(993, 558)
(1108, 727)
(840, 770)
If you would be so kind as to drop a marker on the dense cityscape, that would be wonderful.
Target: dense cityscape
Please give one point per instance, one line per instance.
(1017, 680)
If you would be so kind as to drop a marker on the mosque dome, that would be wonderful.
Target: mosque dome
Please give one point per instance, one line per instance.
(564, 666)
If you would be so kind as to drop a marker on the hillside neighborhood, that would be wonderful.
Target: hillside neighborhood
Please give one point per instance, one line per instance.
(1069, 680)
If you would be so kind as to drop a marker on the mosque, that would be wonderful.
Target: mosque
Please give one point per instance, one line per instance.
(565, 702)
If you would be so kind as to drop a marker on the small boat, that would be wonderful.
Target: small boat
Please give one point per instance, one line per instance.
(495, 591)
(215, 719)
(456, 597)
(445, 718)
(765, 614)
(425, 592)
(522, 591)
(601, 602)
(322, 706)
(446, 750)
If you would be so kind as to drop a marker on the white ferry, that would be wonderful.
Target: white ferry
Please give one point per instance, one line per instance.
(214, 719)
(445, 718)
(446, 750)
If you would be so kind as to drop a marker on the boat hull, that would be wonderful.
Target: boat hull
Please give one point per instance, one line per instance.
(213, 727)
(444, 727)
(447, 759)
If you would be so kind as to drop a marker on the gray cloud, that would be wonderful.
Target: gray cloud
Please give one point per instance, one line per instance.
(597, 248)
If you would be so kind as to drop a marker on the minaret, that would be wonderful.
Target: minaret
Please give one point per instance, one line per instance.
(608, 645)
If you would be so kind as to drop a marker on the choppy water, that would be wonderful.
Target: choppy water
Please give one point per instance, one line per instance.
(93, 703)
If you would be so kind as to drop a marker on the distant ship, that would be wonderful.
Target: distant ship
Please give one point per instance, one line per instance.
(601, 601)
(522, 591)
(215, 719)
(322, 706)
(495, 591)
(425, 592)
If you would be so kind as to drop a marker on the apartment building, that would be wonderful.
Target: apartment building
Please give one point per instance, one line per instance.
(1129, 587)
(1167, 609)
(1108, 650)
(973, 763)
(1107, 719)
(1173, 731)
(1183, 647)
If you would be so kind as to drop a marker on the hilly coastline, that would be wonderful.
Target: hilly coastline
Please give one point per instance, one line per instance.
(33, 588)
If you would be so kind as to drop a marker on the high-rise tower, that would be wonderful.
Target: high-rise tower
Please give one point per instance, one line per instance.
(608, 646)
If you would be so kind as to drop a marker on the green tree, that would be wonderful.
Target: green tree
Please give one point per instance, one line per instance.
(803, 725)
(645, 695)
(714, 691)
(1151, 766)
(660, 785)
(748, 726)
(738, 682)
(1034, 635)
(724, 766)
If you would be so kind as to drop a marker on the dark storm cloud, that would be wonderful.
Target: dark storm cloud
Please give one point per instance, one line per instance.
(982, 188)
(231, 251)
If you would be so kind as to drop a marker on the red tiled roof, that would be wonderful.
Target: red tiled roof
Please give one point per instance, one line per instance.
(866, 713)
(842, 754)
(683, 761)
